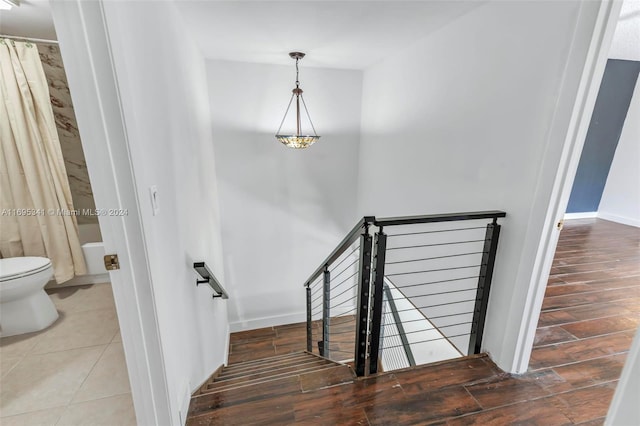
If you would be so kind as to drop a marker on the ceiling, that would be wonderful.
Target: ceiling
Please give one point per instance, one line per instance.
(31, 19)
(349, 34)
(334, 34)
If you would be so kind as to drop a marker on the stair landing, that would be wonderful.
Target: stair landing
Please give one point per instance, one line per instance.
(259, 384)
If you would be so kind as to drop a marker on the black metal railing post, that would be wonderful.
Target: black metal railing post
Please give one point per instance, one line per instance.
(362, 316)
(484, 285)
(326, 311)
(377, 297)
(309, 324)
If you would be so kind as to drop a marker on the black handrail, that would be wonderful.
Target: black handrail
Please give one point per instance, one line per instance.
(208, 277)
(404, 220)
(353, 235)
(448, 217)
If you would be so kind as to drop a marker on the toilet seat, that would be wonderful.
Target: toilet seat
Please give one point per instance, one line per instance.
(16, 267)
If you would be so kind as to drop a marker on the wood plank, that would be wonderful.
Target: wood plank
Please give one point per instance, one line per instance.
(588, 404)
(546, 411)
(419, 409)
(602, 326)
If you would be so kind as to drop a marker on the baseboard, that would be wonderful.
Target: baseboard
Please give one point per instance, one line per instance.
(253, 324)
(80, 280)
(582, 215)
(619, 219)
(295, 318)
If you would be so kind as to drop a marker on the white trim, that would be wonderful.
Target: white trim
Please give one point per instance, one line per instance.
(589, 85)
(263, 322)
(298, 317)
(86, 52)
(584, 215)
(619, 219)
(80, 280)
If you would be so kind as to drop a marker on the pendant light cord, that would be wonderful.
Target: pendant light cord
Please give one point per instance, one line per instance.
(298, 95)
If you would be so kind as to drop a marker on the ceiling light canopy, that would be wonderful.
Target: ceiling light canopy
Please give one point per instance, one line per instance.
(299, 139)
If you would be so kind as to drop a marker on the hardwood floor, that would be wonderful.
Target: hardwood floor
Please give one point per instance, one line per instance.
(590, 312)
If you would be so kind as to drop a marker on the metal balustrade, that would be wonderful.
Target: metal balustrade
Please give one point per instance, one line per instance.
(398, 292)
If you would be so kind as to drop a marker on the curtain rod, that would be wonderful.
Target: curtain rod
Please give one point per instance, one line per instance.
(33, 40)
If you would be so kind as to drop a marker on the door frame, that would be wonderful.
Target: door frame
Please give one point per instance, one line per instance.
(589, 86)
(84, 44)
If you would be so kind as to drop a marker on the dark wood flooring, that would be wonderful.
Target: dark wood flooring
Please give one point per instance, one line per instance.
(590, 311)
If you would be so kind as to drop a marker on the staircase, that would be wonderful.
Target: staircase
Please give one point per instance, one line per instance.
(263, 379)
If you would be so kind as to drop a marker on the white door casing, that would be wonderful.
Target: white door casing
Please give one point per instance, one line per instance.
(84, 44)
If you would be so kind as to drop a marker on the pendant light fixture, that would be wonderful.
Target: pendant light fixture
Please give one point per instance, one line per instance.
(299, 139)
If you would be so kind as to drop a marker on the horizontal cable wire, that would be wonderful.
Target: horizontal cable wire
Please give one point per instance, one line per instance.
(314, 292)
(432, 306)
(436, 282)
(340, 294)
(433, 270)
(313, 301)
(445, 304)
(426, 330)
(437, 244)
(348, 266)
(344, 301)
(433, 232)
(436, 294)
(345, 258)
(316, 281)
(345, 280)
(428, 340)
(432, 258)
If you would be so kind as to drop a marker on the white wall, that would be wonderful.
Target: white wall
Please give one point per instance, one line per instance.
(626, 40)
(282, 210)
(474, 118)
(162, 83)
(621, 196)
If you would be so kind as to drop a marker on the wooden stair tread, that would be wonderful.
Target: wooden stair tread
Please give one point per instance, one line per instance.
(266, 360)
(239, 370)
(223, 385)
(270, 371)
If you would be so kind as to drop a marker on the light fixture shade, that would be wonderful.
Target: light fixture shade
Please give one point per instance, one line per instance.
(293, 141)
(298, 140)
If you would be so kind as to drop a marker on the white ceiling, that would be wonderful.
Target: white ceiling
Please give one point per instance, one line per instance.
(31, 19)
(334, 34)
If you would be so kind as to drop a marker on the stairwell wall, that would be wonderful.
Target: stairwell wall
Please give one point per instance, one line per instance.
(474, 117)
(162, 84)
(283, 210)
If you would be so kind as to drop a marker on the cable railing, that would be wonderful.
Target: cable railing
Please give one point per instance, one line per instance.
(333, 306)
(405, 291)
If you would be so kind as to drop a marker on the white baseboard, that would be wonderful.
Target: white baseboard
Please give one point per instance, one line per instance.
(252, 324)
(81, 280)
(582, 215)
(294, 318)
(619, 219)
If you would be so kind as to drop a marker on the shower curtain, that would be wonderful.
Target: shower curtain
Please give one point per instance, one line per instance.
(36, 211)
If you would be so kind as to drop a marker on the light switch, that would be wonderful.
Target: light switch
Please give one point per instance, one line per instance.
(153, 191)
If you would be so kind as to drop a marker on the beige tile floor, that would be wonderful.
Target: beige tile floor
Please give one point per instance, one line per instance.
(72, 373)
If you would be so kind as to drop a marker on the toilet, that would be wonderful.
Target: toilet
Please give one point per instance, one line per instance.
(24, 305)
